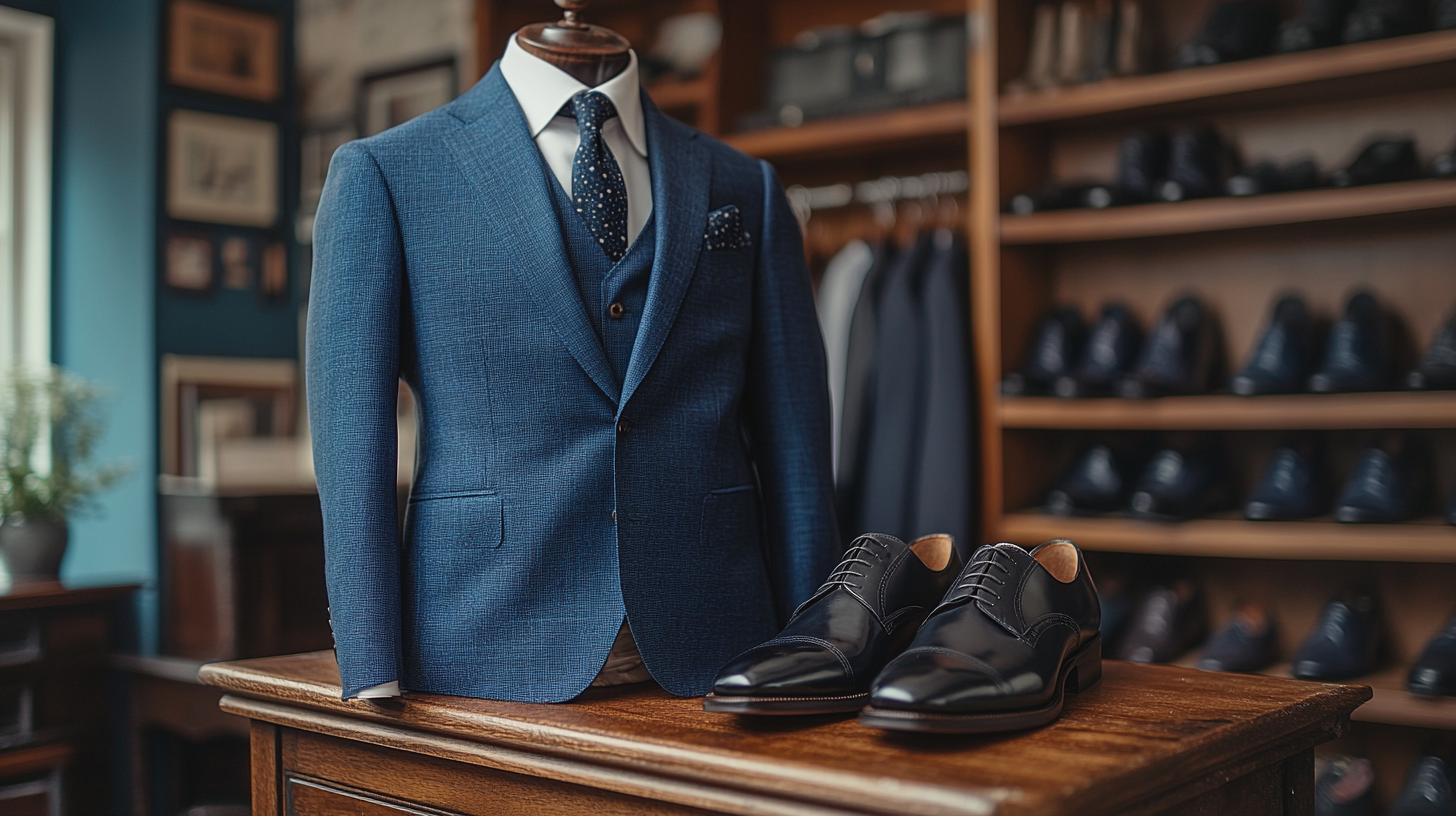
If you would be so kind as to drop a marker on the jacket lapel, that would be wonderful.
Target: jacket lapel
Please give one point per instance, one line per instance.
(681, 176)
(495, 150)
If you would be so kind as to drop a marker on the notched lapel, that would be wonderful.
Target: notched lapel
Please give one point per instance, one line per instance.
(681, 179)
(497, 155)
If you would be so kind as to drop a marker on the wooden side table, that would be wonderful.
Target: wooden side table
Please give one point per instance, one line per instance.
(1147, 740)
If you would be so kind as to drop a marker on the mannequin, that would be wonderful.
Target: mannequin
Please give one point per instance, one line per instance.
(591, 54)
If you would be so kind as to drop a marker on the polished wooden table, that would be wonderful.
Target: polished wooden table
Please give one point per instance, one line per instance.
(1147, 740)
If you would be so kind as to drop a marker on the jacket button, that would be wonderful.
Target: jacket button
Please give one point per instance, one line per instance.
(614, 516)
(623, 426)
(616, 310)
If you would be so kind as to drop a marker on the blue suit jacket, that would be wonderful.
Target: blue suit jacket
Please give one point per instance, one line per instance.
(550, 500)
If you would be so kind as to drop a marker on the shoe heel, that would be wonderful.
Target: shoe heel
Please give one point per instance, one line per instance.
(1086, 668)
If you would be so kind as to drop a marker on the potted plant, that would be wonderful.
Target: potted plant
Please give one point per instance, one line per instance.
(50, 423)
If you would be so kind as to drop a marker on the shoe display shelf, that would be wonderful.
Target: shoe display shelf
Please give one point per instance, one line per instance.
(1238, 255)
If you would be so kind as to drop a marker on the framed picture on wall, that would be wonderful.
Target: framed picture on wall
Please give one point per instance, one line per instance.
(395, 97)
(188, 262)
(222, 169)
(224, 50)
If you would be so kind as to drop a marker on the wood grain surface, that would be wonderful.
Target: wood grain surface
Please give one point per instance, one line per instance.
(1144, 735)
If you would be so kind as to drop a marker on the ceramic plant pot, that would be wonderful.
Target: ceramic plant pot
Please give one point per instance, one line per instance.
(33, 548)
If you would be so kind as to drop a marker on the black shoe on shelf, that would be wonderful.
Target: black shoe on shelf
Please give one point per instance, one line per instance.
(1286, 491)
(1380, 19)
(1234, 30)
(1345, 641)
(1142, 165)
(1196, 159)
(1444, 165)
(1280, 363)
(1248, 642)
(1097, 483)
(1430, 790)
(1168, 621)
(1268, 177)
(1178, 356)
(986, 659)
(1437, 370)
(1443, 17)
(1380, 162)
(1056, 349)
(1344, 786)
(1357, 353)
(1178, 487)
(1434, 672)
(864, 614)
(1111, 350)
(1053, 195)
(1320, 24)
(1381, 490)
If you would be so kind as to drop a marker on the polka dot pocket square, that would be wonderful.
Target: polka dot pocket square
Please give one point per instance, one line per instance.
(725, 230)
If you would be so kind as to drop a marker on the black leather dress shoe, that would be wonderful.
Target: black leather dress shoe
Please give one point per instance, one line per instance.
(1320, 24)
(1195, 165)
(1167, 623)
(1018, 631)
(1379, 491)
(1249, 641)
(1281, 362)
(1142, 164)
(1380, 162)
(1434, 672)
(1056, 349)
(1430, 790)
(1111, 350)
(1268, 177)
(1178, 356)
(1235, 30)
(1286, 491)
(1437, 370)
(1176, 486)
(1379, 19)
(835, 643)
(1357, 353)
(1098, 483)
(1344, 786)
(1344, 643)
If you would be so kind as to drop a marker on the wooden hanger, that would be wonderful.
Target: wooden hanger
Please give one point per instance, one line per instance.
(589, 53)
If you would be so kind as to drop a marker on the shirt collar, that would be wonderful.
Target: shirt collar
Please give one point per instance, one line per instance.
(542, 89)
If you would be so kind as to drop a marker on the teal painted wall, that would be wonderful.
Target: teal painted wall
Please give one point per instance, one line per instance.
(104, 287)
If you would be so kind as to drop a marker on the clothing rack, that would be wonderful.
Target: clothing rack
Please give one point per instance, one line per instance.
(880, 192)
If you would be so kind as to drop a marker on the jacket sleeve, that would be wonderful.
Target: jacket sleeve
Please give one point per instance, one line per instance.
(353, 373)
(787, 414)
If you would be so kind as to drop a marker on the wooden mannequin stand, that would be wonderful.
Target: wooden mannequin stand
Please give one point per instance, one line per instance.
(590, 53)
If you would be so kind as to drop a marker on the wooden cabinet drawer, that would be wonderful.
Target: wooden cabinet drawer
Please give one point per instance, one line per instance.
(308, 798)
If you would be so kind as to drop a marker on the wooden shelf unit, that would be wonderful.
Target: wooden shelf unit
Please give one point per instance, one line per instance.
(1221, 412)
(857, 135)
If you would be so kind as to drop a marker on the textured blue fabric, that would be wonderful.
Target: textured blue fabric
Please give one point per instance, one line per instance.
(439, 258)
(597, 187)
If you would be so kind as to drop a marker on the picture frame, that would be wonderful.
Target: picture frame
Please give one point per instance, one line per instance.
(222, 169)
(392, 98)
(224, 50)
(187, 265)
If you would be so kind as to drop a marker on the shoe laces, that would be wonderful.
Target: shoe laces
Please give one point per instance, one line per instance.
(845, 575)
(979, 581)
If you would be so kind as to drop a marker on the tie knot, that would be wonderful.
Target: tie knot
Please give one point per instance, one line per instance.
(591, 109)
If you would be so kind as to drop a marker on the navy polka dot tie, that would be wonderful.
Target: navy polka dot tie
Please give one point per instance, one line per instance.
(597, 188)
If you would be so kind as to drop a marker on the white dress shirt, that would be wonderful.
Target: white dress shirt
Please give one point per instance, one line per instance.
(541, 89)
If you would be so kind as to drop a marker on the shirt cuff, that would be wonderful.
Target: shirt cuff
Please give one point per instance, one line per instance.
(379, 692)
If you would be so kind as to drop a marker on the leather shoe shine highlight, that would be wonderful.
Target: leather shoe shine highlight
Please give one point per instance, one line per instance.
(1018, 631)
(835, 642)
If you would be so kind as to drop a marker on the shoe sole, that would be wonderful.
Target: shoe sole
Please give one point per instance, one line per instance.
(1087, 662)
(785, 706)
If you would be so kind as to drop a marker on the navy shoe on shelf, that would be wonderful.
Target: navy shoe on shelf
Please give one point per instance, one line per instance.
(1320, 24)
(1357, 353)
(1196, 160)
(1430, 790)
(1344, 643)
(1056, 349)
(1178, 356)
(1176, 486)
(1097, 483)
(1344, 786)
(1434, 672)
(1234, 30)
(1379, 491)
(1248, 642)
(1141, 166)
(1280, 363)
(1437, 370)
(1382, 19)
(1110, 353)
(1286, 491)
